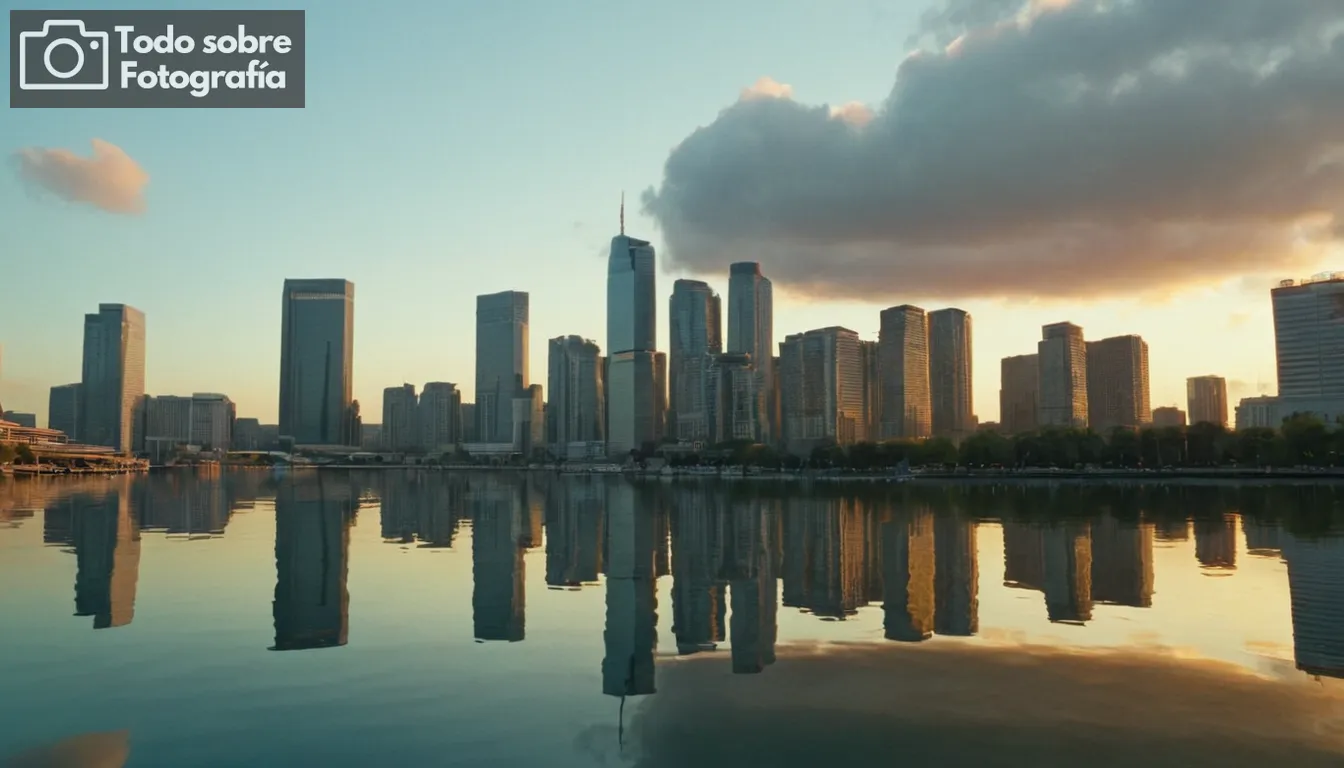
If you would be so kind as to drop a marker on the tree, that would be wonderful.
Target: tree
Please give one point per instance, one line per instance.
(8, 453)
(25, 454)
(985, 449)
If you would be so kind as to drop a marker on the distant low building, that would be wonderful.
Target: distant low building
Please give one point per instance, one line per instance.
(1271, 412)
(22, 419)
(1168, 416)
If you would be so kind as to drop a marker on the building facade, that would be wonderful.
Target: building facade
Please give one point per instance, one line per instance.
(1168, 416)
(529, 420)
(633, 418)
(317, 362)
(822, 389)
(1062, 360)
(212, 419)
(576, 411)
(1206, 399)
(1117, 383)
(401, 429)
(751, 331)
(736, 399)
(1019, 393)
(113, 382)
(501, 362)
(695, 336)
(872, 389)
(953, 409)
(903, 360)
(439, 417)
(1309, 336)
(63, 408)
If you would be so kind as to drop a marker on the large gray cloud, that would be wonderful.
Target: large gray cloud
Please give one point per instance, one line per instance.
(1057, 148)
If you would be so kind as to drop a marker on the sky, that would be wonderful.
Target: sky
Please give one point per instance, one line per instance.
(1152, 169)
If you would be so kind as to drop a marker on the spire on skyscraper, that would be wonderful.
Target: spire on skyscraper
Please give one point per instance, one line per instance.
(622, 211)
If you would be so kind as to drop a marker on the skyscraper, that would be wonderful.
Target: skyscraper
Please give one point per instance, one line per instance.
(63, 410)
(1019, 391)
(317, 346)
(439, 416)
(632, 407)
(1061, 357)
(1309, 337)
(1206, 399)
(735, 399)
(821, 385)
(872, 389)
(400, 428)
(751, 331)
(953, 412)
(903, 360)
(695, 336)
(575, 411)
(501, 362)
(113, 382)
(1117, 383)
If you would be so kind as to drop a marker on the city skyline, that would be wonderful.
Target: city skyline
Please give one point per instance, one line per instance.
(204, 224)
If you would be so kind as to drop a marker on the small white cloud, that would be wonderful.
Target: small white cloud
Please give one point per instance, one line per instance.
(767, 88)
(109, 180)
(854, 113)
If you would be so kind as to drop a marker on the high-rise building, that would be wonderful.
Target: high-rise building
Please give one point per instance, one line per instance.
(247, 435)
(751, 331)
(953, 411)
(317, 362)
(501, 362)
(63, 410)
(903, 360)
(1206, 398)
(114, 376)
(212, 418)
(469, 434)
(872, 389)
(439, 416)
(1061, 356)
(1019, 391)
(1309, 337)
(204, 420)
(1117, 383)
(529, 420)
(696, 335)
(575, 411)
(401, 430)
(821, 385)
(735, 399)
(633, 418)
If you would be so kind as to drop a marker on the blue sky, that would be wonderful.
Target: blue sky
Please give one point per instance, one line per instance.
(450, 149)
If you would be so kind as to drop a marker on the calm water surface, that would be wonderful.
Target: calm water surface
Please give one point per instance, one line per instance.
(402, 618)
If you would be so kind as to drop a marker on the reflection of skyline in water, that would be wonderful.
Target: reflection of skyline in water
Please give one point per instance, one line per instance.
(733, 557)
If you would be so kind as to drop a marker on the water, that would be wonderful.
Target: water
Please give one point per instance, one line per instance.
(404, 618)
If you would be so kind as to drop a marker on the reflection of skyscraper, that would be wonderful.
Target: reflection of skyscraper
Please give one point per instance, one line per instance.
(631, 635)
(1264, 538)
(1023, 556)
(498, 599)
(908, 560)
(1068, 572)
(698, 605)
(956, 576)
(107, 551)
(831, 569)
(1216, 542)
(1316, 587)
(1122, 562)
(1172, 530)
(574, 534)
(312, 548)
(753, 589)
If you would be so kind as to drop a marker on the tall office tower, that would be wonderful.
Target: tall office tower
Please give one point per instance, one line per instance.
(1309, 337)
(953, 411)
(63, 410)
(1117, 383)
(114, 376)
(632, 406)
(400, 427)
(821, 389)
(1061, 357)
(903, 360)
(212, 417)
(469, 434)
(501, 362)
(529, 420)
(1206, 398)
(439, 417)
(872, 389)
(735, 399)
(317, 345)
(312, 556)
(659, 396)
(695, 331)
(751, 331)
(1019, 393)
(575, 411)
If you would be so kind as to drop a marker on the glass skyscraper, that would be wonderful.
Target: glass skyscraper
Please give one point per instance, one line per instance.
(113, 376)
(316, 361)
(751, 331)
(633, 417)
(501, 362)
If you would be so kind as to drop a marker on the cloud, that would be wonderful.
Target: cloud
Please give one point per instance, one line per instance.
(109, 180)
(1054, 149)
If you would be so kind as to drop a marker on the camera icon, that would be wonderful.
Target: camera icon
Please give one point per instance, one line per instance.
(44, 57)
